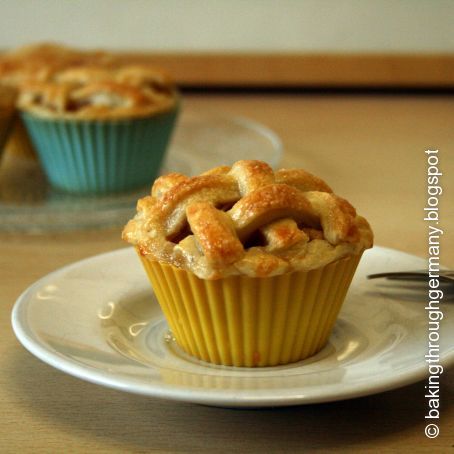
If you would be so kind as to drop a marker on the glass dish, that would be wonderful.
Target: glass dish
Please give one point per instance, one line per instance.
(202, 140)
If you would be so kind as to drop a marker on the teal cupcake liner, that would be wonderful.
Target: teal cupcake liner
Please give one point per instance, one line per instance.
(101, 156)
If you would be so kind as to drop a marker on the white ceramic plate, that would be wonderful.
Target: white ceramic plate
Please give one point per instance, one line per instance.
(98, 320)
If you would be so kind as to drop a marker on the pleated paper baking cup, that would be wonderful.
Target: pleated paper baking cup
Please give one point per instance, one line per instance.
(101, 156)
(19, 143)
(6, 123)
(244, 321)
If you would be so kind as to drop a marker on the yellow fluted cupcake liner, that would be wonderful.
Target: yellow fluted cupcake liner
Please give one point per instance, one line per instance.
(19, 143)
(245, 321)
(6, 122)
(7, 113)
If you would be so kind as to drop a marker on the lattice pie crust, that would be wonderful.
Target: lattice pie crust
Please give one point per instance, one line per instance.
(246, 219)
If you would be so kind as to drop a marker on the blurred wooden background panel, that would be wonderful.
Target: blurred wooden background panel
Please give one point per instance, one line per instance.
(262, 43)
(239, 69)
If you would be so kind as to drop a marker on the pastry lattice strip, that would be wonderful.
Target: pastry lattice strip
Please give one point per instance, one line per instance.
(275, 205)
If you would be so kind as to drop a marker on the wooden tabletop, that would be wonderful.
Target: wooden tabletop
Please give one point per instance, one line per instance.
(371, 149)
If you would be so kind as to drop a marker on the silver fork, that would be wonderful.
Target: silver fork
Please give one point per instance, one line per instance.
(446, 276)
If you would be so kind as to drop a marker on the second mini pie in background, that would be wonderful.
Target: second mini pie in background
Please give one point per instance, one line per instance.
(250, 266)
(98, 124)
(37, 63)
(99, 130)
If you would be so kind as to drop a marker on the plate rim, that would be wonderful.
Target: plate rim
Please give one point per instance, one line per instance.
(226, 398)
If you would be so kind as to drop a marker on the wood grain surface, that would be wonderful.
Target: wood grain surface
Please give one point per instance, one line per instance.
(304, 70)
(371, 151)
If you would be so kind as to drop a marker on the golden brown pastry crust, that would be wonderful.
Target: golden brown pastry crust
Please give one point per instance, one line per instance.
(248, 220)
(94, 93)
(39, 62)
(82, 75)
(156, 83)
(56, 81)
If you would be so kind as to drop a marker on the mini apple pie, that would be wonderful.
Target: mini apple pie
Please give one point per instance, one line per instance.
(95, 134)
(39, 63)
(250, 266)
